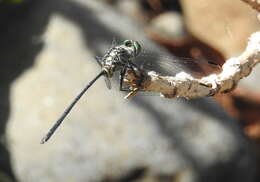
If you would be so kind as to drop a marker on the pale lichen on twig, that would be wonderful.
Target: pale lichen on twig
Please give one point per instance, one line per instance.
(185, 85)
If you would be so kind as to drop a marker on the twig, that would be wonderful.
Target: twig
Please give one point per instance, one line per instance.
(255, 4)
(184, 85)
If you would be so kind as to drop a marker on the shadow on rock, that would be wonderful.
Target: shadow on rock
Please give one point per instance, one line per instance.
(19, 46)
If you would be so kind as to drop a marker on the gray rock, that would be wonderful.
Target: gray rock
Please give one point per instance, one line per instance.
(104, 138)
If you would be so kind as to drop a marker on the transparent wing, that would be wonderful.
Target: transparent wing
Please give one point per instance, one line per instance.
(108, 82)
(171, 65)
(114, 42)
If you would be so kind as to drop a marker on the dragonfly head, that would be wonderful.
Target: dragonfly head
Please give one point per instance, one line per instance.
(134, 45)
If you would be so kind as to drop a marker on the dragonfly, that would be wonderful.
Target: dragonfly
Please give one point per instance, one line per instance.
(127, 57)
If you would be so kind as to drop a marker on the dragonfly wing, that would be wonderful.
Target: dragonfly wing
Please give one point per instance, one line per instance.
(108, 83)
(171, 65)
(114, 42)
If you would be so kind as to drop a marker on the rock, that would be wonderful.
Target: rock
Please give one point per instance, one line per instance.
(169, 25)
(105, 138)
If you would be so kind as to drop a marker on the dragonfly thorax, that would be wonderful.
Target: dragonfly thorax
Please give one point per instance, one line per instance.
(120, 56)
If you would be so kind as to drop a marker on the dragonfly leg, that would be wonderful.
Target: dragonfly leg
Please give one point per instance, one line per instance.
(139, 75)
(122, 75)
(134, 67)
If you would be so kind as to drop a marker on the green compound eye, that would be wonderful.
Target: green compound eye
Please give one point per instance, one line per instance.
(134, 44)
(128, 43)
(137, 47)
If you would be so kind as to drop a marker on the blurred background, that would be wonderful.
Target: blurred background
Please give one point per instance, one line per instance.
(47, 55)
